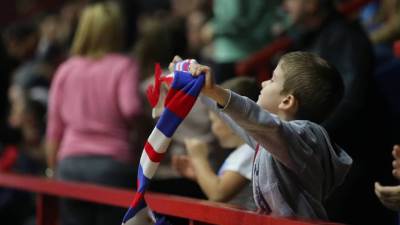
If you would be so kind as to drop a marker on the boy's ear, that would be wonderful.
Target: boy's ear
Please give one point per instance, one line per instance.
(289, 104)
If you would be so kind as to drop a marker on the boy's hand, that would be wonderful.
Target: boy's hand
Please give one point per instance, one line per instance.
(197, 69)
(210, 89)
(396, 162)
(175, 60)
(196, 149)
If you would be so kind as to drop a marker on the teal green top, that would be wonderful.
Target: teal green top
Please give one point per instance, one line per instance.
(242, 27)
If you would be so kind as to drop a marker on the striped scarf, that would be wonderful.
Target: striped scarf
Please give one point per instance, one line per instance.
(180, 99)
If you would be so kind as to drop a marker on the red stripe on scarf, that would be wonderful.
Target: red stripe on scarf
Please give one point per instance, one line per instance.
(138, 196)
(179, 102)
(153, 155)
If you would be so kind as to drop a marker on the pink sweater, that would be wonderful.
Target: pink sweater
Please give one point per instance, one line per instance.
(91, 104)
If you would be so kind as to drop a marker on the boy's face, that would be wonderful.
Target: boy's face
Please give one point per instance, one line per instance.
(270, 96)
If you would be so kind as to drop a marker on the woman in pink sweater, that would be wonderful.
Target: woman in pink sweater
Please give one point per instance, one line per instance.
(93, 105)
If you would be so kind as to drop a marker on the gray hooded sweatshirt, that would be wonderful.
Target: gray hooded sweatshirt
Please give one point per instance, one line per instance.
(296, 165)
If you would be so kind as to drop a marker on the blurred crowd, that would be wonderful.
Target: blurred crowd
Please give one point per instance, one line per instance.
(73, 96)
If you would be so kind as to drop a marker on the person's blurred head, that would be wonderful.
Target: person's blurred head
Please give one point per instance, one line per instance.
(243, 86)
(28, 110)
(21, 40)
(100, 30)
(150, 47)
(194, 25)
(303, 86)
(301, 12)
(48, 27)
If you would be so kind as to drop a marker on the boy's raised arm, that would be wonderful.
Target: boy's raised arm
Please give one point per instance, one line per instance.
(230, 122)
(265, 128)
(262, 126)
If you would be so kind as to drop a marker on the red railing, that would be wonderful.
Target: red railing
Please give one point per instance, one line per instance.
(196, 211)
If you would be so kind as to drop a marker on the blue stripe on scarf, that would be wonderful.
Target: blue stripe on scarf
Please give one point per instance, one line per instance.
(143, 180)
(168, 122)
(185, 82)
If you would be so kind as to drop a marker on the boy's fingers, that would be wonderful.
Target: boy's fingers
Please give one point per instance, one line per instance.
(171, 66)
(209, 79)
(193, 68)
(203, 69)
(176, 59)
(197, 69)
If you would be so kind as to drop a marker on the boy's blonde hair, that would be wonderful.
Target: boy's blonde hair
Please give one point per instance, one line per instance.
(100, 30)
(315, 83)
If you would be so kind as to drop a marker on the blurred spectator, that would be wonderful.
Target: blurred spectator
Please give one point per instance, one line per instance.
(50, 48)
(27, 114)
(94, 104)
(194, 22)
(7, 64)
(22, 43)
(21, 40)
(28, 94)
(232, 183)
(382, 20)
(238, 28)
(317, 27)
(183, 8)
(150, 48)
(68, 21)
(26, 156)
(384, 23)
(198, 47)
(131, 10)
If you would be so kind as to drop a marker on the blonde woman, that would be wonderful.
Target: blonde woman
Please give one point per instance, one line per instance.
(93, 105)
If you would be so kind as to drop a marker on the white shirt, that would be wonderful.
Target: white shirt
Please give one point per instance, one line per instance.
(241, 161)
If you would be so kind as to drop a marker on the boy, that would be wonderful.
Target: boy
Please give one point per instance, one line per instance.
(296, 165)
